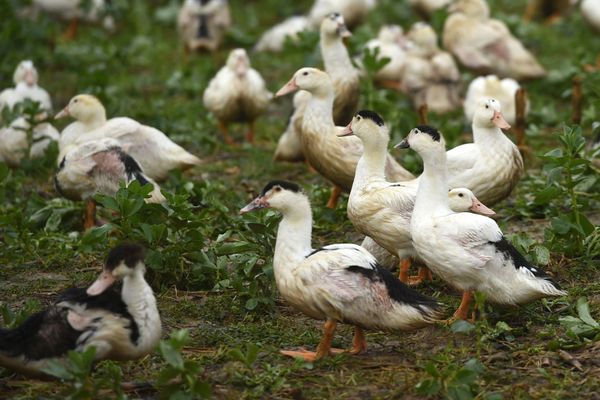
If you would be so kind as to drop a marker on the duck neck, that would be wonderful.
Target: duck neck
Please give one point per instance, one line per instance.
(94, 119)
(432, 195)
(488, 137)
(319, 111)
(140, 300)
(294, 235)
(335, 55)
(371, 165)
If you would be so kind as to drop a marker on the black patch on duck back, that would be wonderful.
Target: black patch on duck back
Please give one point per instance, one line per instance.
(132, 168)
(397, 290)
(203, 32)
(130, 253)
(372, 115)
(509, 251)
(283, 184)
(431, 131)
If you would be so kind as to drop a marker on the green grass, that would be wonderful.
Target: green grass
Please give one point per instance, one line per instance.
(141, 72)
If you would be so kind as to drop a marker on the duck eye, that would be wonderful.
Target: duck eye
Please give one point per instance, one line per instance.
(358, 118)
(487, 106)
(460, 195)
(277, 189)
(75, 101)
(305, 73)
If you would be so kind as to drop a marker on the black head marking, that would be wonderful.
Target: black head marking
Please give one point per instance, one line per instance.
(131, 253)
(372, 115)
(431, 131)
(283, 184)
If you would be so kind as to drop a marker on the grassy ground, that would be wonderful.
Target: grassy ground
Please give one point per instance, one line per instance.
(211, 268)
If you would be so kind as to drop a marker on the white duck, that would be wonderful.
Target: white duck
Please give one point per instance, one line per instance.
(466, 250)
(381, 209)
(430, 75)
(427, 7)
(14, 142)
(590, 9)
(336, 283)
(486, 45)
(75, 10)
(354, 11)
(237, 94)
(202, 24)
(120, 324)
(345, 78)
(289, 146)
(492, 165)
(274, 38)
(503, 90)
(156, 153)
(98, 166)
(26, 87)
(334, 160)
(391, 43)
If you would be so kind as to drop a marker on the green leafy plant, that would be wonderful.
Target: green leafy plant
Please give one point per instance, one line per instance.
(180, 378)
(13, 319)
(582, 327)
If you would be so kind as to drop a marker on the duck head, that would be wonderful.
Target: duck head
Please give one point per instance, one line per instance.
(26, 73)
(83, 107)
(238, 61)
(369, 127)
(463, 200)
(282, 196)
(123, 261)
(310, 79)
(471, 8)
(426, 141)
(489, 114)
(333, 26)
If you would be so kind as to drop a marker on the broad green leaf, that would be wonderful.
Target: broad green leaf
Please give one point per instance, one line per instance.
(583, 310)
(462, 326)
(171, 355)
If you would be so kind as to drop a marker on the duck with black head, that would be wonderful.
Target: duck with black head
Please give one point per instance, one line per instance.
(120, 324)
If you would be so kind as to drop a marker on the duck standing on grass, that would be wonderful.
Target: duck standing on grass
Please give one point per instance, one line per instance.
(237, 94)
(466, 250)
(99, 166)
(336, 283)
(151, 148)
(120, 324)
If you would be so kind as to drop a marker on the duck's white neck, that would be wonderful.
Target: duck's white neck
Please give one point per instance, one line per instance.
(293, 236)
(141, 304)
(432, 195)
(319, 111)
(487, 137)
(371, 165)
(335, 55)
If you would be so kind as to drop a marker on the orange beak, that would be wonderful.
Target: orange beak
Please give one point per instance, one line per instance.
(480, 208)
(499, 121)
(289, 87)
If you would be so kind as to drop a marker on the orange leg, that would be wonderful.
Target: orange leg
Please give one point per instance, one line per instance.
(462, 310)
(424, 275)
(223, 129)
(310, 167)
(359, 343)
(323, 349)
(404, 267)
(335, 195)
(250, 133)
(90, 215)
(71, 31)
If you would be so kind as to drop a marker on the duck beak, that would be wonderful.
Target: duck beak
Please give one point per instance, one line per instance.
(347, 131)
(343, 31)
(499, 121)
(241, 69)
(256, 204)
(480, 208)
(403, 144)
(63, 113)
(29, 78)
(289, 87)
(104, 281)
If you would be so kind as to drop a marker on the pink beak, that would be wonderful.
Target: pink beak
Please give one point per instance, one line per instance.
(499, 121)
(30, 78)
(63, 113)
(343, 31)
(289, 87)
(104, 281)
(480, 208)
(241, 68)
(256, 204)
(347, 131)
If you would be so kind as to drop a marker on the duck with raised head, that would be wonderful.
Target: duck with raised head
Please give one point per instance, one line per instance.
(99, 166)
(353, 11)
(466, 250)
(339, 283)
(202, 24)
(334, 159)
(153, 150)
(486, 45)
(237, 93)
(503, 90)
(26, 87)
(120, 324)
(381, 209)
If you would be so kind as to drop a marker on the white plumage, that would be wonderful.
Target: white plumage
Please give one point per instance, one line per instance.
(274, 38)
(202, 24)
(590, 9)
(353, 11)
(503, 90)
